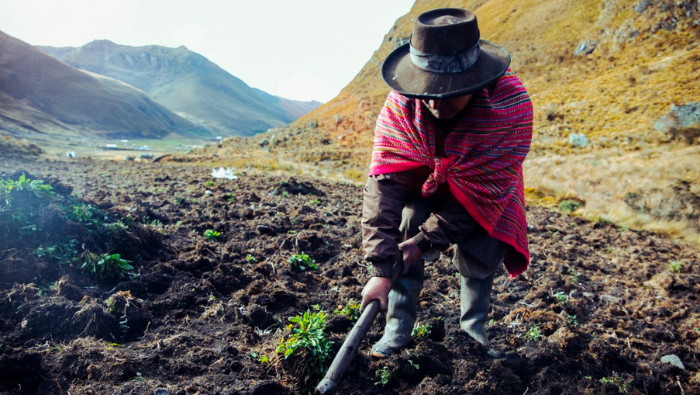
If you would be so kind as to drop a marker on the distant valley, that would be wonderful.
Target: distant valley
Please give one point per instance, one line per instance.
(103, 91)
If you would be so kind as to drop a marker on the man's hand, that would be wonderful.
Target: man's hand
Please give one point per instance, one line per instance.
(377, 288)
(411, 253)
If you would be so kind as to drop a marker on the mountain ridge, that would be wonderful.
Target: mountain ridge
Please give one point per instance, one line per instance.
(189, 84)
(43, 95)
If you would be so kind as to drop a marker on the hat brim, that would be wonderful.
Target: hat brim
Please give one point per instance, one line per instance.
(407, 79)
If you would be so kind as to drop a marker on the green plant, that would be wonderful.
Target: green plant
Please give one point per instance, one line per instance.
(313, 201)
(211, 234)
(410, 368)
(560, 297)
(308, 334)
(676, 266)
(210, 184)
(569, 206)
(302, 261)
(260, 357)
(86, 214)
(572, 319)
(285, 194)
(618, 381)
(104, 266)
(351, 310)
(37, 187)
(533, 334)
(251, 259)
(111, 305)
(384, 375)
(155, 224)
(420, 331)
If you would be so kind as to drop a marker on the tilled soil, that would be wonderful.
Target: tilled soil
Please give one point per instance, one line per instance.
(601, 309)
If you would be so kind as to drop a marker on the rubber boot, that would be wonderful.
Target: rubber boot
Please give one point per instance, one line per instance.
(475, 298)
(401, 312)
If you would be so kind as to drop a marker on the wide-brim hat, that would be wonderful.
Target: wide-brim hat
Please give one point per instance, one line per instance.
(445, 57)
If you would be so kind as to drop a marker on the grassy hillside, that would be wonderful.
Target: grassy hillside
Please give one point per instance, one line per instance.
(646, 59)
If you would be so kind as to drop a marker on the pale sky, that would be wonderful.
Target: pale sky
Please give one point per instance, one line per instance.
(298, 49)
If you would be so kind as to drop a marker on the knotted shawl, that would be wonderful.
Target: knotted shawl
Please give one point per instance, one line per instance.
(485, 152)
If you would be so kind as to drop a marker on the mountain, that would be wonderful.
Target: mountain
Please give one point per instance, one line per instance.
(189, 84)
(41, 95)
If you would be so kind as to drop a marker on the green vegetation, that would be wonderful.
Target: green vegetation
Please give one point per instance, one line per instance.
(105, 266)
(533, 334)
(384, 375)
(561, 297)
(618, 381)
(572, 319)
(420, 331)
(9, 188)
(211, 234)
(308, 335)
(251, 259)
(676, 267)
(302, 261)
(351, 310)
(569, 206)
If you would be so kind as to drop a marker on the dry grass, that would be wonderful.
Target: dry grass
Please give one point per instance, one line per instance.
(641, 190)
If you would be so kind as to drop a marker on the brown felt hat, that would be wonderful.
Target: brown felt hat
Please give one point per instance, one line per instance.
(445, 57)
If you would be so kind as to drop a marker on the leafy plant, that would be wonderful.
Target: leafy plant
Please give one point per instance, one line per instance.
(313, 201)
(251, 259)
(420, 331)
(308, 334)
(105, 265)
(260, 357)
(572, 319)
(351, 310)
(37, 187)
(211, 234)
(302, 261)
(533, 334)
(384, 375)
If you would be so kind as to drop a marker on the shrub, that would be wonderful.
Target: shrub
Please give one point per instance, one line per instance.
(302, 261)
(105, 266)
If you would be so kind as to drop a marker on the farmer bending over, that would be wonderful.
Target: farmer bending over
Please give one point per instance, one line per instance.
(446, 170)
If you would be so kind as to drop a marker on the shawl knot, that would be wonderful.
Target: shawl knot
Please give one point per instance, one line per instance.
(438, 176)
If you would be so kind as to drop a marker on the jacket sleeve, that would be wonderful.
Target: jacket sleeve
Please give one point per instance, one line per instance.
(384, 198)
(449, 223)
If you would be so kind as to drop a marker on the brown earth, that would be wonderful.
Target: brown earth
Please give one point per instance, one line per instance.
(196, 315)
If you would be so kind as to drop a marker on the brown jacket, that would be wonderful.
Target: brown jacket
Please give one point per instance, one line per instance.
(385, 196)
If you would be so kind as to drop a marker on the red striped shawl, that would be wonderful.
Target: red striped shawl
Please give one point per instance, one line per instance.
(485, 153)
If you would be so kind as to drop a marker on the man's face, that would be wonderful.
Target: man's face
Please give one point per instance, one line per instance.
(447, 108)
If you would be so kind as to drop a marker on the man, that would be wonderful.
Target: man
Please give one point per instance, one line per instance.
(446, 170)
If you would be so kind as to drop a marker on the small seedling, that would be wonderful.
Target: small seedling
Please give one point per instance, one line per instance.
(251, 259)
(302, 261)
(351, 310)
(313, 201)
(211, 234)
(420, 331)
(676, 266)
(262, 358)
(561, 297)
(618, 381)
(533, 334)
(384, 375)
(572, 319)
